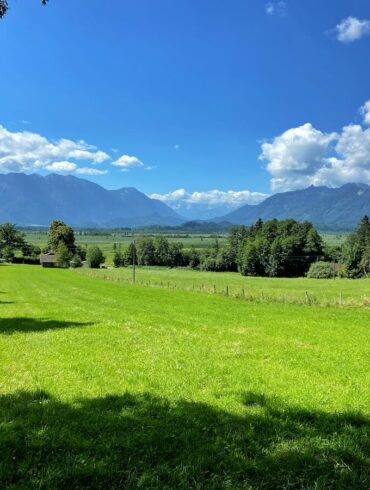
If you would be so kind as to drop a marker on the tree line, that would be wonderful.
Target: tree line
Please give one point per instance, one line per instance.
(60, 241)
(284, 248)
(275, 248)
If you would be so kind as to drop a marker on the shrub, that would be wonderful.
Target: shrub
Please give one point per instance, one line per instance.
(321, 270)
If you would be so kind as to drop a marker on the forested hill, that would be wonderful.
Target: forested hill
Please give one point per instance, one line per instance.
(327, 208)
(37, 200)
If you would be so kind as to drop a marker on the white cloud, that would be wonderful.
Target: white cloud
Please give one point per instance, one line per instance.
(27, 151)
(365, 112)
(127, 161)
(351, 29)
(305, 156)
(61, 167)
(211, 198)
(276, 8)
(90, 171)
(295, 156)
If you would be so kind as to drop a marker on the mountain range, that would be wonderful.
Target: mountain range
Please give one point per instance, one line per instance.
(35, 200)
(327, 208)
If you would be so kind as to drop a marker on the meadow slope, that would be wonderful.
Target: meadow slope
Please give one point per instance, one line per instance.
(107, 385)
(327, 292)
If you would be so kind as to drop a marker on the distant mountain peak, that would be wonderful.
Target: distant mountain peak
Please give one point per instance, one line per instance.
(339, 208)
(26, 199)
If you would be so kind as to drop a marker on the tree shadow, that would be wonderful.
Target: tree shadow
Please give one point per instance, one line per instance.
(9, 326)
(141, 441)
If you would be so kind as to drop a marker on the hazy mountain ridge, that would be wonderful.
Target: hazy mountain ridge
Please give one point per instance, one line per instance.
(37, 200)
(327, 208)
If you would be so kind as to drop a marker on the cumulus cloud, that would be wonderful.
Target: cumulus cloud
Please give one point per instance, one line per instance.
(61, 167)
(127, 161)
(295, 156)
(276, 8)
(26, 151)
(90, 171)
(365, 112)
(211, 198)
(305, 156)
(351, 29)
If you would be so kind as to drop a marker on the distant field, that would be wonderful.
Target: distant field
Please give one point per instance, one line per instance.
(334, 292)
(105, 242)
(335, 238)
(108, 385)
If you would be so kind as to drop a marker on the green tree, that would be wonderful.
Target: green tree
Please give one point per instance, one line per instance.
(162, 250)
(129, 254)
(10, 240)
(31, 253)
(357, 250)
(145, 251)
(118, 259)
(62, 255)
(7, 254)
(95, 257)
(176, 256)
(279, 248)
(60, 232)
(76, 261)
(192, 258)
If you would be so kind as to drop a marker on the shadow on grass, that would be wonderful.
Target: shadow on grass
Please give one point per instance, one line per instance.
(141, 441)
(9, 326)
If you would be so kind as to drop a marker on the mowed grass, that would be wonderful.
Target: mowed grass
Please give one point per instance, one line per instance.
(107, 385)
(325, 292)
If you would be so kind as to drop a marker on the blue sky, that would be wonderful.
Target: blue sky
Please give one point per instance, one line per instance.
(187, 94)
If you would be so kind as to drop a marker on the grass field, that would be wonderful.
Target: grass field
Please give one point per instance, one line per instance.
(105, 242)
(335, 292)
(107, 385)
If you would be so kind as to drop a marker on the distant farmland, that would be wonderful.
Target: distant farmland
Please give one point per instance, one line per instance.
(106, 240)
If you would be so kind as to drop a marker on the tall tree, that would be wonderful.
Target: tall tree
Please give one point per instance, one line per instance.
(60, 232)
(357, 250)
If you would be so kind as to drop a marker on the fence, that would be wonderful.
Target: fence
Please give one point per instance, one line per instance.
(306, 298)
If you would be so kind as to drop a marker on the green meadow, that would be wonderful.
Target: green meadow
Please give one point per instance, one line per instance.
(324, 292)
(104, 384)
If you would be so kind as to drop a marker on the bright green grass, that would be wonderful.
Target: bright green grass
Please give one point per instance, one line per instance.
(106, 385)
(345, 292)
